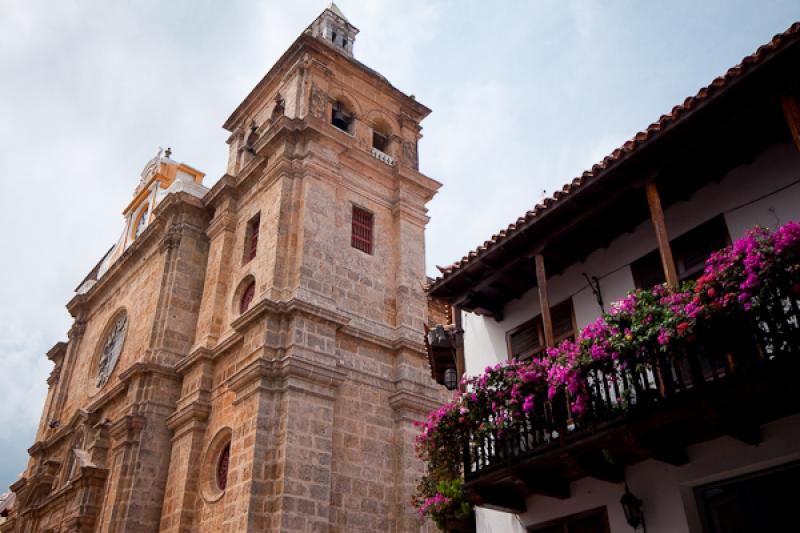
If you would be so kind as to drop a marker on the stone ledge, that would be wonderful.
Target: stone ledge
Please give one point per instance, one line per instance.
(140, 368)
(286, 373)
(194, 414)
(127, 430)
(406, 402)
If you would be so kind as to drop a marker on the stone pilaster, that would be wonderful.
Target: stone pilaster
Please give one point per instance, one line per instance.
(188, 425)
(75, 336)
(184, 249)
(221, 235)
(409, 407)
(254, 470)
(125, 437)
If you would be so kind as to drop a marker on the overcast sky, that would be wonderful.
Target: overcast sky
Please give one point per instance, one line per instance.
(525, 96)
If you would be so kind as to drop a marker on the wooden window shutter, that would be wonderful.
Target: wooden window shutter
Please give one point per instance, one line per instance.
(526, 340)
(563, 323)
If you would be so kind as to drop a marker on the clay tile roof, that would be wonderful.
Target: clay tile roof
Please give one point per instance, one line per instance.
(778, 42)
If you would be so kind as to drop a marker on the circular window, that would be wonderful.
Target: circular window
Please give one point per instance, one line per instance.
(222, 467)
(111, 348)
(247, 296)
(215, 467)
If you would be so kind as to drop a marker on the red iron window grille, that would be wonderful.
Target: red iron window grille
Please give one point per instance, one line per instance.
(361, 237)
(222, 467)
(251, 237)
(247, 297)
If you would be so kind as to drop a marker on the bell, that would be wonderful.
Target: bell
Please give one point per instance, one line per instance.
(450, 379)
(339, 119)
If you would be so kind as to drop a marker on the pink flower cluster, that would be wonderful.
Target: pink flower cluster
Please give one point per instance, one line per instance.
(434, 504)
(738, 275)
(635, 328)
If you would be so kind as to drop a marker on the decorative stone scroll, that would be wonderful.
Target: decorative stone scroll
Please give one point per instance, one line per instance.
(318, 102)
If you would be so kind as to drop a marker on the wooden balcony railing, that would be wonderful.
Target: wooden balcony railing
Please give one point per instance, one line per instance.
(720, 368)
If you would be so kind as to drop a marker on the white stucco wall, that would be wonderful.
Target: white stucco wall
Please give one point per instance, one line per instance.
(777, 167)
(666, 490)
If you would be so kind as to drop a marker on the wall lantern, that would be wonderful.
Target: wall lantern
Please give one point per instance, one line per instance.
(633, 510)
(450, 378)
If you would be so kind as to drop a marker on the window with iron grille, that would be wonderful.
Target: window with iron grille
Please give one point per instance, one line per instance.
(361, 236)
(222, 467)
(251, 238)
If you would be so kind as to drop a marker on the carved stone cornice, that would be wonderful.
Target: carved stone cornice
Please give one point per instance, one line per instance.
(18, 485)
(404, 343)
(127, 430)
(286, 373)
(172, 238)
(412, 405)
(76, 330)
(225, 188)
(141, 368)
(404, 210)
(221, 223)
(57, 352)
(56, 355)
(335, 318)
(198, 355)
(107, 396)
(191, 416)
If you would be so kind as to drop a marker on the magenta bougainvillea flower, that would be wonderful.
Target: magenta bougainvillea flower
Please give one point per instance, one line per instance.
(738, 279)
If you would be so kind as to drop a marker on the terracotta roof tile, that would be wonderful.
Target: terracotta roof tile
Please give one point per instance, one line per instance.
(777, 42)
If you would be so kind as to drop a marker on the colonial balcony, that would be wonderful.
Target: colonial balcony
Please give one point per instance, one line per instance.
(738, 375)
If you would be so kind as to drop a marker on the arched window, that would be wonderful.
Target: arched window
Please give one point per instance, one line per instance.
(341, 117)
(380, 141)
(141, 222)
(247, 296)
(223, 462)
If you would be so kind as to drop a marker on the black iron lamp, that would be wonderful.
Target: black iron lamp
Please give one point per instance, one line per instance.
(633, 510)
(450, 378)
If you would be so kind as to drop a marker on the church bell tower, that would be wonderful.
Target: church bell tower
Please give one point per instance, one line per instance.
(309, 367)
(250, 357)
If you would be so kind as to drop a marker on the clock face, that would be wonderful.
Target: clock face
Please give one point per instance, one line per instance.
(111, 350)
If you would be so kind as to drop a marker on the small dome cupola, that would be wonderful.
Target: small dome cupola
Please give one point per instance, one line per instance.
(333, 28)
(160, 177)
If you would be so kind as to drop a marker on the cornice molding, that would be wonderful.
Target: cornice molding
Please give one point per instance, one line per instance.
(195, 413)
(141, 368)
(127, 430)
(287, 373)
(405, 403)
